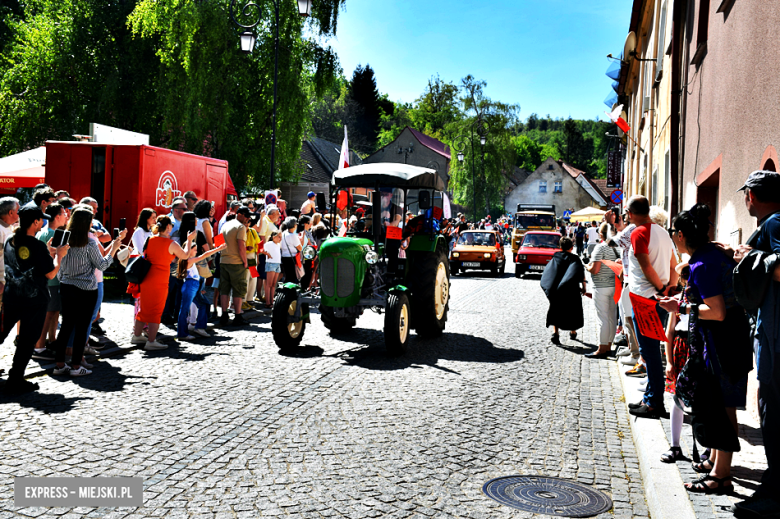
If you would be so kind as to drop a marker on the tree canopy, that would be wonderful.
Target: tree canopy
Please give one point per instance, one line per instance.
(169, 68)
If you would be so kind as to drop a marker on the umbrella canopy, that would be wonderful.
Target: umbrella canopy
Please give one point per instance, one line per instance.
(588, 214)
(24, 169)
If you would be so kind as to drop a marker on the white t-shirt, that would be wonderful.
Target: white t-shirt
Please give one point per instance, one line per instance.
(653, 240)
(275, 252)
(593, 235)
(139, 239)
(290, 242)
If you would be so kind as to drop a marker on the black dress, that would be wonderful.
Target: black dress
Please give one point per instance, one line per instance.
(561, 284)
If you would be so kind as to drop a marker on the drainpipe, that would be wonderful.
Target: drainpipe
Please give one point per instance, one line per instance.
(678, 35)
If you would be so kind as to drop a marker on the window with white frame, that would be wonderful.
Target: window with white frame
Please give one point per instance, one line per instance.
(542, 186)
(558, 187)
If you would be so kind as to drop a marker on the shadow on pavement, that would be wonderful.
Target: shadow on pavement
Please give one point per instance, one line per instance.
(371, 354)
(302, 352)
(47, 403)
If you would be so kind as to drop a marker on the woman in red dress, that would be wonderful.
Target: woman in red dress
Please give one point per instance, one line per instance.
(160, 251)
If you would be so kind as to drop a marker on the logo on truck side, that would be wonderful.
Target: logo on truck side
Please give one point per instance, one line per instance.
(167, 189)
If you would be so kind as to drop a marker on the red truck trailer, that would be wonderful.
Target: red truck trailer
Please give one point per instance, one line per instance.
(126, 178)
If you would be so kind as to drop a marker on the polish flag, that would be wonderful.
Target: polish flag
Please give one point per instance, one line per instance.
(344, 159)
(615, 118)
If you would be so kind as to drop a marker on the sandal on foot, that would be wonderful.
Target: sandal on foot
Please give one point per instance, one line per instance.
(700, 486)
(555, 339)
(674, 454)
(704, 467)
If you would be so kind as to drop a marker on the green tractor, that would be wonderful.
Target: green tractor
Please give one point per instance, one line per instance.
(382, 263)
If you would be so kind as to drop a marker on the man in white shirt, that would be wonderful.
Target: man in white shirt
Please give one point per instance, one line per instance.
(234, 205)
(651, 273)
(593, 237)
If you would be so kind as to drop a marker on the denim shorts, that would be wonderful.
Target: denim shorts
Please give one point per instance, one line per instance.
(273, 267)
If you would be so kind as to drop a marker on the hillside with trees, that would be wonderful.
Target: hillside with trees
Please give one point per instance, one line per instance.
(451, 112)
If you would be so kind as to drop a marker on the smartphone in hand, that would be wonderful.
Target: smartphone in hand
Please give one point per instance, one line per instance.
(122, 224)
(116, 233)
(57, 239)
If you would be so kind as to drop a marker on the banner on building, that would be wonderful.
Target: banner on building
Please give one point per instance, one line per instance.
(613, 168)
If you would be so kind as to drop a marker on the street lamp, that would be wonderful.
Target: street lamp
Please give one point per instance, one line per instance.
(248, 40)
(483, 128)
(304, 8)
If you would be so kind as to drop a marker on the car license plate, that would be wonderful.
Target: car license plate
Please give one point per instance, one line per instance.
(535, 267)
(471, 264)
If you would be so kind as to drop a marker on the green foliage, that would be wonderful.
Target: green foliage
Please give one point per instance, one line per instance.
(169, 68)
(581, 143)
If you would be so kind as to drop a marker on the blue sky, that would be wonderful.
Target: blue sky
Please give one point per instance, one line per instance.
(548, 56)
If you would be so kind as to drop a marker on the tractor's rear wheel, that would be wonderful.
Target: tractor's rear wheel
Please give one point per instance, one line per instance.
(430, 294)
(397, 323)
(336, 324)
(286, 334)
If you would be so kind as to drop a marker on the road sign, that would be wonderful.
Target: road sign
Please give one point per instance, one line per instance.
(567, 214)
(613, 168)
(616, 196)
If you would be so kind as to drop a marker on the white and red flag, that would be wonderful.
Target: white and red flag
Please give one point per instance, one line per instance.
(344, 159)
(615, 118)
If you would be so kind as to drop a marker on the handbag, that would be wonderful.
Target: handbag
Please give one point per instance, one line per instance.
(299, 271)
(203, 269)
(137, 268)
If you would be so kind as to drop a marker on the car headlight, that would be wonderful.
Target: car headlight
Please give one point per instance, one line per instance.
(372, 257)
(487, 255)
(521, 257)
(309, 252)
(456, 254)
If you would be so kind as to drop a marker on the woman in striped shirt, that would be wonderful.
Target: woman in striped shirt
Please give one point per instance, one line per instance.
(79, 290)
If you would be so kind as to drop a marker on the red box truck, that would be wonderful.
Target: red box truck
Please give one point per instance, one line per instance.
(126, 178)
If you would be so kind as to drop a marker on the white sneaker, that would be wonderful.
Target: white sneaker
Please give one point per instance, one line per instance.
(64, 370)
(187, 338)
(629, 361)
(623, 352)
(201, 332)
(89, 350)
(79, 371)
(138, 339)
(85, 364)
(150, 346)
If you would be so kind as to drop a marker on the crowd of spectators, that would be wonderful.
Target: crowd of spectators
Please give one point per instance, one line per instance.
(718, 307)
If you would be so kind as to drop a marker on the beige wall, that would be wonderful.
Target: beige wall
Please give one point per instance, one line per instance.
(648, 169)
(731, 110)
(573, 196)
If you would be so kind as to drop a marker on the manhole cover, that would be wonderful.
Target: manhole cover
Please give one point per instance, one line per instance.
(550, 496)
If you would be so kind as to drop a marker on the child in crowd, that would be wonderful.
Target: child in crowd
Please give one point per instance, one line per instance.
(273, 267)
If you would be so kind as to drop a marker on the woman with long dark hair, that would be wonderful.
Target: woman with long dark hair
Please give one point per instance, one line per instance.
(192, 286)
(79, 290)
(720, 332)
(143, 229)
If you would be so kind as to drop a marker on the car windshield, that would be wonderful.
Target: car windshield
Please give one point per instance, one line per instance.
(525, 221)
(477, 238)
(545, 241)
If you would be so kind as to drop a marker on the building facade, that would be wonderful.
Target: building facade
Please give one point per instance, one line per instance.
(557, 183)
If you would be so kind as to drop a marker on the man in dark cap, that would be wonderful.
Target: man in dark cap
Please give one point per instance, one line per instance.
(28, 267)
(762, 198)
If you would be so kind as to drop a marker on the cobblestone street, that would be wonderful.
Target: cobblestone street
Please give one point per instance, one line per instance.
(228, 427)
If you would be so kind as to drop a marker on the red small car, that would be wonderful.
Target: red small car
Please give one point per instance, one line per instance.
(536, 251)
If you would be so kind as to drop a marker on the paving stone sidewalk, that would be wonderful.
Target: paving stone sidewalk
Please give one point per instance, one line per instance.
(228, 427)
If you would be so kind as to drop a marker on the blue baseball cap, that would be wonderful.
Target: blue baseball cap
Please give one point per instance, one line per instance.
(310, 194)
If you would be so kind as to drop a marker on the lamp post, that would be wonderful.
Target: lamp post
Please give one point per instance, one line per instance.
(248, 40)
(482, 128)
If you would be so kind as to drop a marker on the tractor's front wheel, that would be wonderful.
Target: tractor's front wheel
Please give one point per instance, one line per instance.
(430, 280)
(397, 323)
(286, 334)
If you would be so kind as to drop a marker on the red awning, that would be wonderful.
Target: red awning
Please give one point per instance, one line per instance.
(29, 177)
